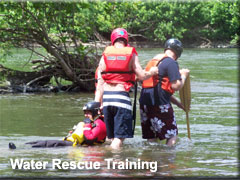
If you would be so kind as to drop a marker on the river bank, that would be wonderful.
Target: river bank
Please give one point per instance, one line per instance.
(148, 44)
(32, 82)
(151, 44)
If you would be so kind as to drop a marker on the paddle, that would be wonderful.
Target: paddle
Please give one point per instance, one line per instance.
(185, 96)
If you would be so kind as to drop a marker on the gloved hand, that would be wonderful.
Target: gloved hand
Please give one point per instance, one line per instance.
(87, 121)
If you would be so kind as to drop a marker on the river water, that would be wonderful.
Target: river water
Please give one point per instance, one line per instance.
(212, 150)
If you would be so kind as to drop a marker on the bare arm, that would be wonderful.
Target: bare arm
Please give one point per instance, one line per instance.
(178, 84)
(175, 101)
(99, 88)
(142, 74)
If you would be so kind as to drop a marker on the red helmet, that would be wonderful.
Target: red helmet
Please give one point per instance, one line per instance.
(119, 33)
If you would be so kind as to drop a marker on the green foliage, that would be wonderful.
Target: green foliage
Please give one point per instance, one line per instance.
(61, 22)
(61, 29)
(223, 20)
(160, 20)
(76, 22)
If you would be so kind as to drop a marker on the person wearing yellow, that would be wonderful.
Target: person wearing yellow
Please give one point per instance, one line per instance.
(91, 131)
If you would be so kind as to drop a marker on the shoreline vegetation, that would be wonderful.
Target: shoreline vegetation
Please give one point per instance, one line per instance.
(72, 34)
(151, 44)
(148, 44)
(32, 82)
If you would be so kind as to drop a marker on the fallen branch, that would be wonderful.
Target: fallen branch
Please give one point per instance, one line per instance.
(36, 79)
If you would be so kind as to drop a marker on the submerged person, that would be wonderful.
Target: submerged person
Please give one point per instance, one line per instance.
(91, 131)
(157, 115)
(116, 75)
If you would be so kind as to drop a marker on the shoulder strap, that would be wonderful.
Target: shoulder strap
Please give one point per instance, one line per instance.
(160, 57)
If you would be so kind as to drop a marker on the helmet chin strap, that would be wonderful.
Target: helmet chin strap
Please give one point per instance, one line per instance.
(94, 118)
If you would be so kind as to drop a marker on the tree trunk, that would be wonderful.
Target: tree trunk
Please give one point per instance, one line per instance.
(39, 81)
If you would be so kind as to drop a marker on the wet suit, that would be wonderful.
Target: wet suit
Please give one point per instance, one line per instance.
(50, 143)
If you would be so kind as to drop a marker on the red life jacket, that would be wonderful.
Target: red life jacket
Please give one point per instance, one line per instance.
(118, 66)
(95, 133)
(154, 80)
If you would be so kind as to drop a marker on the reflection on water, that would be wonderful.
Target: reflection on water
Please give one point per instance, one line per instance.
(212, 151)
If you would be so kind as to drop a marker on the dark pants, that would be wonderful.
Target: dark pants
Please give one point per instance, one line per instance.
(50, 143)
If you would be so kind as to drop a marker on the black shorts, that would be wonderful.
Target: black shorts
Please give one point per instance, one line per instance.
(117, 110)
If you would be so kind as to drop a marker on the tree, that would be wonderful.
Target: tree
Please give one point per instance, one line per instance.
(61, 30)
